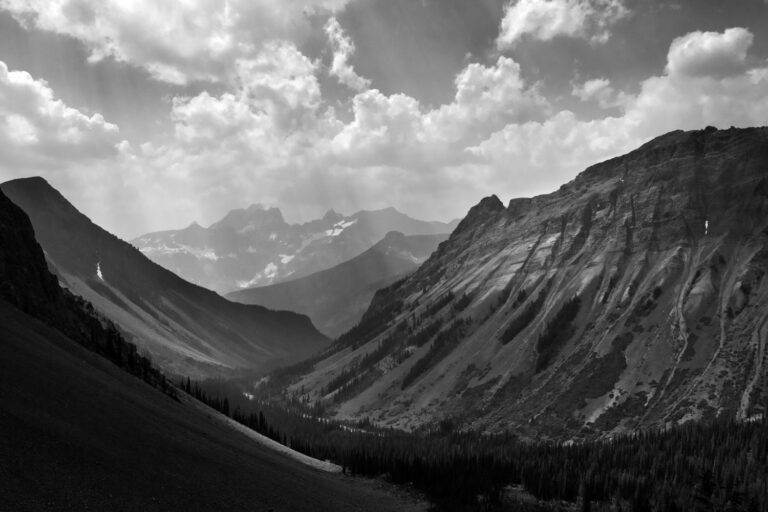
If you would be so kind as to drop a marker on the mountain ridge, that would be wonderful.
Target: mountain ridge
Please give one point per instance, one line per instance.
(335, 298)
(255, 246)
(186, 329)
(80, 429)
(632, 296)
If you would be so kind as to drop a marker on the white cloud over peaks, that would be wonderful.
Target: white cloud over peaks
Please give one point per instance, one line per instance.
(562, 145)
(39, 131)
(398, 130)
(274, 112)
(174, 41)
(710, 53)
(547, 19)
(343, 49)
(274, 140)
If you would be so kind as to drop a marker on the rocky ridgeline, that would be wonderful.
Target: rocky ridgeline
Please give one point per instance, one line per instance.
(633, 296)
(256, 247)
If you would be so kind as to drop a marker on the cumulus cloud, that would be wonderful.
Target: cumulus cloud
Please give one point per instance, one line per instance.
(273, 140)
(343, 49)
(561, 145)
(601, 91)
(547, 19)
(397, 129)
(710, 53)
(497, 135)
(175, 42)
(269, 136)
(38, 130)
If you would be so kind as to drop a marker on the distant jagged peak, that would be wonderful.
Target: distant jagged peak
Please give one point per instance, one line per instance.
(256, 216)
(388, 211)
(332, 216)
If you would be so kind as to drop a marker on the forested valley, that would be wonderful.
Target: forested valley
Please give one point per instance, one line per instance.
(712, 466)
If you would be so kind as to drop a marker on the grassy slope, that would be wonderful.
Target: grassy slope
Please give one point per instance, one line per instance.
(77, 433)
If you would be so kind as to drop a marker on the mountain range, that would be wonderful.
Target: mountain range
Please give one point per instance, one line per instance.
(185, 328)
(77, 432)
(335, 299)
(257, 247)
(633, 296)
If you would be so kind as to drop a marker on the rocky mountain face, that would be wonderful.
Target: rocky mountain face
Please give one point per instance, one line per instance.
(335, 299)
(635, 295)
(186, 329)
(256, 247)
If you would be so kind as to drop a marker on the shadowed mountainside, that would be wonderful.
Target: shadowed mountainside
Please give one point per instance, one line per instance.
(335, 299)
(185, 328)
(79, 433)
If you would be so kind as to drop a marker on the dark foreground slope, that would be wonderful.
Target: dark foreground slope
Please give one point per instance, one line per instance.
(635, 295)
(186, 329)
(335, 299)
(79, 433)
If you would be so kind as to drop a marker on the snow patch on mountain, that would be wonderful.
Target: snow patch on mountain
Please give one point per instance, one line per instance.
(339, 227)
(164, 250)
(269, 272)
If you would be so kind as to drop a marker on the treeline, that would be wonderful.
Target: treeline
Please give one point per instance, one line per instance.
(102, 337)
(720, 466)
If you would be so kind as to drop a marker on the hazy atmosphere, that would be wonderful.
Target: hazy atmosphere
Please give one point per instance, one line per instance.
(151, 115)
(384, 255)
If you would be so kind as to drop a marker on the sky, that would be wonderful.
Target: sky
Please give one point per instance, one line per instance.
(150, 115)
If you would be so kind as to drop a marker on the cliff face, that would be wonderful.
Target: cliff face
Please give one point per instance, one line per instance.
(25, 280)
(633, 296)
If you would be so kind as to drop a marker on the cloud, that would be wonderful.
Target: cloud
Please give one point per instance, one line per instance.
(39, 131)
(176, 42)
(272, 139)
(270, 136)
(398, 130)
(562, 145)
(600, 91)
(546, 19)
(343, 49)
(710, 53)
